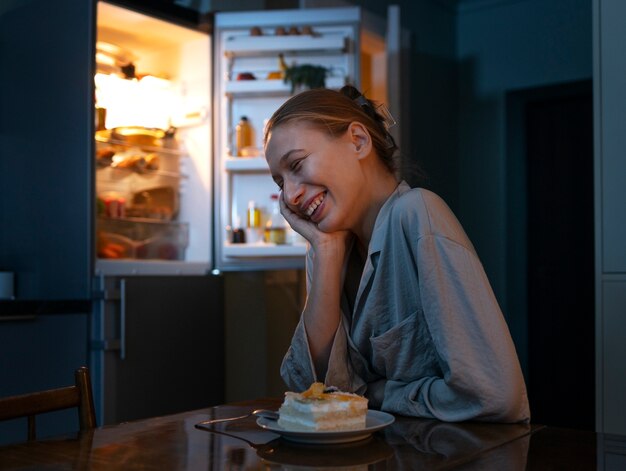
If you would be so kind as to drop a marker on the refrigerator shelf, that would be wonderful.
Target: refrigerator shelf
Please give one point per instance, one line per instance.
(276, 86)
(140, 238)
(116, 173)
(261, 249)
(271, 45)
(150, 222)
(246, 164)
(159, 150)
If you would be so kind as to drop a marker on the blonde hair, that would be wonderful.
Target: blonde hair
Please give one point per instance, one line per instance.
(332, 112)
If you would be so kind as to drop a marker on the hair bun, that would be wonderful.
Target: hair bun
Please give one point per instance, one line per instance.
(350, 91)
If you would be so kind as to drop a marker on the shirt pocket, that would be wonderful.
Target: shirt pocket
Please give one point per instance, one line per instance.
(405, 352)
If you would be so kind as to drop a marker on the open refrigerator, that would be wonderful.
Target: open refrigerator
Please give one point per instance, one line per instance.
(172, 187)
(171, 184)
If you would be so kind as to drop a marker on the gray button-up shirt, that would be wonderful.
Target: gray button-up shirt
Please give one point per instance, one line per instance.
(426, 336)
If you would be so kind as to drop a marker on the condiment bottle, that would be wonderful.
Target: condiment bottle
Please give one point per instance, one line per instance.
(243, 132)
(276, 226)
(101, 117)
(237, 233)
(254, 232)
(101, 114)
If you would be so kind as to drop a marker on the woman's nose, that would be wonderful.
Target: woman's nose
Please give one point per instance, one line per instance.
(292, 193)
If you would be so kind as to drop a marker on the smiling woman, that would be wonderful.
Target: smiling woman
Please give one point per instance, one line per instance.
(398, 308)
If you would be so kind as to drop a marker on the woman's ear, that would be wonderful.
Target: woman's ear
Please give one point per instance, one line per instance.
(360, 138)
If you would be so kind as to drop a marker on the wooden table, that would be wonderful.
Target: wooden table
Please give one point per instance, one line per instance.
(173, 443)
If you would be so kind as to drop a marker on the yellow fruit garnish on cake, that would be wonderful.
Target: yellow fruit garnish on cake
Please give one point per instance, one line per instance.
(316, 390)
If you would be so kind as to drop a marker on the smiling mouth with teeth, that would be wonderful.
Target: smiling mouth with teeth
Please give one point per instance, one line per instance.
(313, 206)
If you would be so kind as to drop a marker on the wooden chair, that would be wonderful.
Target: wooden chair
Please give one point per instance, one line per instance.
(29, 405)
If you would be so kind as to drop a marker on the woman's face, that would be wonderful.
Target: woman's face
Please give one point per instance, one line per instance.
(320, 176)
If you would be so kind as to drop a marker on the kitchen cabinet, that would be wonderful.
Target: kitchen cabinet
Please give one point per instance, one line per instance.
(46, 207)
(610, 224)
(157, 346)
(613, 352)
(611, 119)
(46, 140)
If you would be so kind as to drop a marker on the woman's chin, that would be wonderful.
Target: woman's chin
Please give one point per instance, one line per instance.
(329, 227)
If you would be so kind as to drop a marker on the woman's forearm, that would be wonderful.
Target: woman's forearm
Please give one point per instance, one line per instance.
(322, 312)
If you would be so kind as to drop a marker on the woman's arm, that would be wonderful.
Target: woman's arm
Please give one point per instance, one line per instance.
(481, 378)
(322, 313)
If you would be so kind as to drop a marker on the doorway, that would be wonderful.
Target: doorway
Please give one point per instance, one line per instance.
(552, 228)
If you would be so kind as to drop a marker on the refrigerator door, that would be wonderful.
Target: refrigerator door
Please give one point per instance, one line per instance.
(158, 346)
(385, 59)
(46, 129)
(252, 50)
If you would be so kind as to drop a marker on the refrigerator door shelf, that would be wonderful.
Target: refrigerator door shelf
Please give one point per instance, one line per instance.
(246, 164)
(275, 86)
(264, 250)
(272, 44)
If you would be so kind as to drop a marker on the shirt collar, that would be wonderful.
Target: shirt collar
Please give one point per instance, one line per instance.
(380, 227)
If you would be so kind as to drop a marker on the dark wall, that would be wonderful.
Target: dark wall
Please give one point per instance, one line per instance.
(431, 95)
(508, 46)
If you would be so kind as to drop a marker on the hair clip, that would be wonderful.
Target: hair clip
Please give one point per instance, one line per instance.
(362, 101)
(388, 119)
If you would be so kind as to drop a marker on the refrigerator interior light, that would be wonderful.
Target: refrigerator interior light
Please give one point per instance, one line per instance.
(104, 59)
(148, 102)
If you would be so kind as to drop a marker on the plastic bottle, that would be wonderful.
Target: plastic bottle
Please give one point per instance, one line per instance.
(243, 135)
(254, 230)
(276, 226)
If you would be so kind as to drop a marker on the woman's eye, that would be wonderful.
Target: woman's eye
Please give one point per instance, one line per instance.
(297, 164)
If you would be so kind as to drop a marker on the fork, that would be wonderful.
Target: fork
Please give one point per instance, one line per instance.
(268, 414)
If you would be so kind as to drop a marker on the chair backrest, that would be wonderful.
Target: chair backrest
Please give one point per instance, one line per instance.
(29, 405)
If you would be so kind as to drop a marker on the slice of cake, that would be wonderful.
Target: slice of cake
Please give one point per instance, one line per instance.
(320, 409)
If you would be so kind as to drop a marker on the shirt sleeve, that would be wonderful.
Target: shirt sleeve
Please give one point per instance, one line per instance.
(481, 377)
(298, 370)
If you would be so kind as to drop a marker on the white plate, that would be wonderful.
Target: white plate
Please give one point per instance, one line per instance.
(375, 420)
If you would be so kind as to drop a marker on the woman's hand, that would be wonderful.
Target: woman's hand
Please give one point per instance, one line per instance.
(336, 243)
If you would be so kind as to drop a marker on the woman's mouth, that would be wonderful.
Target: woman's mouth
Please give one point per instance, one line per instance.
(308, 212)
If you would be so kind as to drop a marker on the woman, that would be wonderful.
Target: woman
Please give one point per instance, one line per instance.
(398, 305)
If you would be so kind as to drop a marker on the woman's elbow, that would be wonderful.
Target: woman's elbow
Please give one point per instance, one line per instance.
(510, 404)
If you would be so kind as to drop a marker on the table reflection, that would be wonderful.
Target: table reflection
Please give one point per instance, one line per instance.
(431, 444)
(174, 443)
(407, 444)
